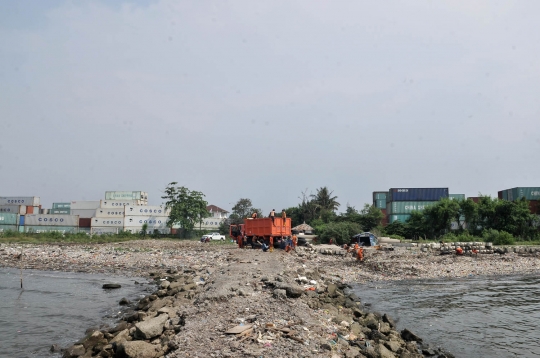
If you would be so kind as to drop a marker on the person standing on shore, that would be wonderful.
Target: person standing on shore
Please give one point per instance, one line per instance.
(294, 241)
(271, 244)
(283, 217)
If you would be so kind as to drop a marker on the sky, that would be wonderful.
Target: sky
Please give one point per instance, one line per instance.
(267, 99)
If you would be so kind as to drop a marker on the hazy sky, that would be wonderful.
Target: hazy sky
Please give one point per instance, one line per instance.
(263, 99)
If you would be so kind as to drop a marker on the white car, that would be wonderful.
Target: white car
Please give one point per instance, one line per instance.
(214, 236)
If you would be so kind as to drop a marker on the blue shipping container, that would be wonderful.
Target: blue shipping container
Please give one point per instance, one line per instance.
(21, 220)
(416, 194)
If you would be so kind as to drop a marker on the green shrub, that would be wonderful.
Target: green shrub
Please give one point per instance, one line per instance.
(498, 238)
(340, 232)
(397, 237)
(461, 237)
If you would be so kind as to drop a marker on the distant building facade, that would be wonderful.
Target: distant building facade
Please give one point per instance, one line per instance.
(218, 215)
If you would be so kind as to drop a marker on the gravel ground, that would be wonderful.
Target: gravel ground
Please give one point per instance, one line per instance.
(232, 288)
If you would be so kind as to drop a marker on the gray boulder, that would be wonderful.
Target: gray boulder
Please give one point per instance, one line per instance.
(74, 351)
(151, 328)
(138, 349)
(408, 336)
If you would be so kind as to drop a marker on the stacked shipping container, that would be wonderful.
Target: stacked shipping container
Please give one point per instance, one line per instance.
(14, 208)
(532, 194)
(400, 202)
(104, 216)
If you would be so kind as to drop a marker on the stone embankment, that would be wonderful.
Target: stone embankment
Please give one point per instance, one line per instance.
(221, 301)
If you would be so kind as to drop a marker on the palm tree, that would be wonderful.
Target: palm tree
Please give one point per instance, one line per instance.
(325, 201)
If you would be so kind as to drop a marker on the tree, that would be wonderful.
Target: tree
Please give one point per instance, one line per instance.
(370, 217)
(340, 232)
(188, 208)
(325, 202)
(308, 207)
(296, 215)
(243, 209)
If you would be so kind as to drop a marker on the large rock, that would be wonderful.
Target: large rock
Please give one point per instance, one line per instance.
(384, 352)
(74, 351)
(331, 289)
(394, 346)
(122, 336)
(151, 328)
(409, 336)
(389, 320)
(138, 349)
(110, 286)
(292, 290)
(94, 339)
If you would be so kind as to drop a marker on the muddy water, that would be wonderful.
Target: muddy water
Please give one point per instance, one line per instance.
(56, 307)
(472, 317)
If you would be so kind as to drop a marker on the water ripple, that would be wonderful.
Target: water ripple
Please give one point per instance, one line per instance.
(470, 317)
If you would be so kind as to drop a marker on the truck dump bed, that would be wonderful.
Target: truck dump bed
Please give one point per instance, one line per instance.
(264, 227)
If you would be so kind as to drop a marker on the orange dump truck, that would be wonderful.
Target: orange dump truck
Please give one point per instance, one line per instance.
(255, 229)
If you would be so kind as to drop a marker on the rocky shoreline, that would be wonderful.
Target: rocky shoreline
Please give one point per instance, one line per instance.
(221, 301)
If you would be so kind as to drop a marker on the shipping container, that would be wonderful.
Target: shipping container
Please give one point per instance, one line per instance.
(62, 229)
(139, 230)
(379, 195)
(108, 222)
(44, 211)
(120, 203)
(32, 209)
(384, 220)
(126, 195)
(457, 196)
(416, 194)
(61, 205)
(153, 222)
(84, 205)
(85, 222)
(109, 213)
(534, 207)
(406, 207)
(20, 200)
(4, 228)
(380, 203)
(400, 218)
(104, 230)
(146, 210)
(505, 194)
(83, 213)
(21, 229)
(21, 220)
(60, 211)
(529, 193)
(13, 209)
(51, 220)
(9, 219)
(499, 195)
(476, 199)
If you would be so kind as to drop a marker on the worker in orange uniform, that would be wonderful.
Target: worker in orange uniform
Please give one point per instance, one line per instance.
(240, 241)
(294, 242)
(360, 254)
(283, 216)
(288, 247)
(271, 244)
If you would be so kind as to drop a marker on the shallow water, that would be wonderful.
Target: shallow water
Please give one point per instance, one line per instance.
(470, 317)
(56, 308)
